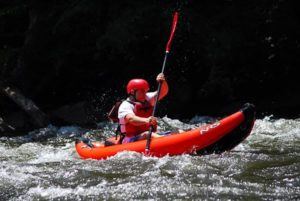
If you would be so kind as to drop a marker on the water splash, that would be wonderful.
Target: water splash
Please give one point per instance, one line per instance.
(44, 165)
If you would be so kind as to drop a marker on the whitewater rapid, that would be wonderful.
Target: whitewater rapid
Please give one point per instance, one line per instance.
(43, 165)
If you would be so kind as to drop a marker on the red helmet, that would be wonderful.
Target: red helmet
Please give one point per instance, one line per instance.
(136, 84)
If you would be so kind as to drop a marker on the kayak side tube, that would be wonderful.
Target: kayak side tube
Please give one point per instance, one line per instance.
(236, 136)
(217, 137)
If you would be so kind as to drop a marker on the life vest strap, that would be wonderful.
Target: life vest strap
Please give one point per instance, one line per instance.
(119, 133)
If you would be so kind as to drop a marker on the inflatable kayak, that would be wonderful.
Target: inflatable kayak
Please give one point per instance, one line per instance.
(217, 137)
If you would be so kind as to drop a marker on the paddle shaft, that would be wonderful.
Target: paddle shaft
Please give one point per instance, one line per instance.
(168, 47)
(159, 85)
(155, 104)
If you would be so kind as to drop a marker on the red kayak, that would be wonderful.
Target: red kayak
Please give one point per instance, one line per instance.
(217, 137)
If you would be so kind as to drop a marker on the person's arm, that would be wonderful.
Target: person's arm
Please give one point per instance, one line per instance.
(137, 121)
(163, 91)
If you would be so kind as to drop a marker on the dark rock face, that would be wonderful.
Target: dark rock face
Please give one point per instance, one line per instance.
(225, 53)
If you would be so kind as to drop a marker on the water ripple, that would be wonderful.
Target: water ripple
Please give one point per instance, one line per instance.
(43, 165)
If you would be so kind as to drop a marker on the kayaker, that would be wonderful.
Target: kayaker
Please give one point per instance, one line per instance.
(135, 112)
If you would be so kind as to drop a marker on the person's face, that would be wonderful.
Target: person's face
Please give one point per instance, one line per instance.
(140, 95)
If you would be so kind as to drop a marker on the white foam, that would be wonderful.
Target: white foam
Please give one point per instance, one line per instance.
(54, 154)
(47, 171)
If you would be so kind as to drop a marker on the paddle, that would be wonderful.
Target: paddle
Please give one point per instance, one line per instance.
(168, 47)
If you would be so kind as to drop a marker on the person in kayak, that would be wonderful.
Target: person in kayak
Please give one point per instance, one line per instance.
(135, 112)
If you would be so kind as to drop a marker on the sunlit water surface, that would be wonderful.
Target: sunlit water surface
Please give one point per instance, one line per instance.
(43, 165)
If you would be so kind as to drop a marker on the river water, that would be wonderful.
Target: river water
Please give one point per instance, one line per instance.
(43, 165)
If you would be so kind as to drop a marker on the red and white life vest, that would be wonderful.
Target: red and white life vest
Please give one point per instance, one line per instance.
(145, 110)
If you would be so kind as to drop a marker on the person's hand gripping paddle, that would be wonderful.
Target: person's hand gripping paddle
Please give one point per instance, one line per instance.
(168, 47)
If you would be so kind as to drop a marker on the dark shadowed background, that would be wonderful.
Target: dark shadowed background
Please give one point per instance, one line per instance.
(74, 58)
